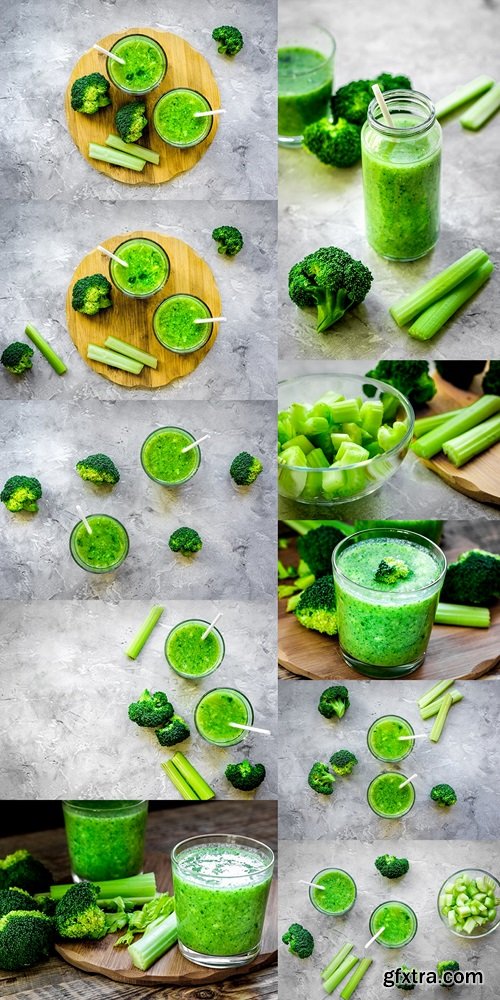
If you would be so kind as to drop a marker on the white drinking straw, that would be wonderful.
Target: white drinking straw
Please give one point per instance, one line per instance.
(249, 729)
(110, 54)
(193, 445)
(315, 885)
(375, 936)
(382, 105)
(211, 319)
(210, 627)
(407, 782)
(112, 255)
(419, 736)
(84, 519)
(207, 114)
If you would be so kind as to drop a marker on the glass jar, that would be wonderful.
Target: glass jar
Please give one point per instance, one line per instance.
(105, 839)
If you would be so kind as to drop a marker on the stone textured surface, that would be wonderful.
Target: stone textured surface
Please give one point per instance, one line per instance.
(414, 491)
(67, 684)
(431, 864)
(305, 736)
(320, 206)
(43, 41)
(43, 243)
(238, 528)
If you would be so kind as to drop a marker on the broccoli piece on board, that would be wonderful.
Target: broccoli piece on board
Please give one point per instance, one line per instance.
(26, 937)
(337, 144)
(343, 762)
(317, 546)
(390, 866)
(334, 701)
(130, 121)
(245, 468)
(316, 608)
(229, 38)
(90, 93)
(411, 378)
(245, 775)
(98, 469)
(78, 915)
(16, 358)
(91, 294)
(185, 540)
(330, 280)
(443, 795)
(320, 779)
(474, 578)
(299, 940)
(175, 731)
(151, 709)
(21, 493)
(229, 239)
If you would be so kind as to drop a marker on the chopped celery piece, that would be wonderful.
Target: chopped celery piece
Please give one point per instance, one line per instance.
(424, 424)
(336, 961)
(429, 444)
(192, 776)
(390, 437)
(338, 438)
(488, 105)
(434, 318)
(371, 413)
(354, 431)
(440, 720)
(430, 710)
(292, 480)
(179, 782)
(406, 309)
(315, 425)
(300, 441)
(293, 601)
(133, 149)
(142, 636)
(113, 359)
(461, 614)
(350, 453)
(345, 411)
(464, 447)
(130, 351)
(159, 937)
(115, 157)
(356, 978)
(45, 349)
(462, 95)
(340, 973)
(434, 692)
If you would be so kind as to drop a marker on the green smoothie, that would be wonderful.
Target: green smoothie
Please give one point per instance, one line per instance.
(147, 269)
(105, 839)
(338, 895)
(216, 710)
(384, 738)
(174, 117)
(399, 921)
(103, 550)
(174, 326)
(163, 459)
(145, 64)
(305, 84)
(387, 798)
(190, 655)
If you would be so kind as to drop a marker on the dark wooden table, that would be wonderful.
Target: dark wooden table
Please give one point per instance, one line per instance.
(55, 980)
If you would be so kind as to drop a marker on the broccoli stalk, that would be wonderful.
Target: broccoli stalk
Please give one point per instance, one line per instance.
(16, 358)
(332, 281)
(229, 239)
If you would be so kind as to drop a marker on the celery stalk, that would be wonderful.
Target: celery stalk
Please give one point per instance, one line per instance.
(115, 157)
(45, 349)
(462, 95)
(434, 692)
(424, 424)
(340, 973)
(192, 776)
(122, 347)
(160, 936)
(336, 961)
(461, 614)
(434, 318)
(429, 444)
(140, 886)
(113, 360)
(488, 105)
(440, 719)
(133, 149)
(356, 978)
(179, 782)
(430, 710)
(142, 636)
(464, 447)
(406, 309)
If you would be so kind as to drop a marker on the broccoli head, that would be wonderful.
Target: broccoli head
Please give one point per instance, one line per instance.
(16, 899)
(245, 776)
(98, 469)
(245, 468)
(446, 972)
(22, 871)
(338, 144)
(16, 358)
(331, 280)
(316, 608)
(89, 93)
(334, 701)
(343, 762)
(320, 779)
(185, 540)
(411, 378)
(403, 980)
(353, 99)
(299, 940)
(91, 294)
(391, 570)
(230, 39)
(78, 915)
(130, 121)
(491, 381)
(229, 239)
(391, 867)
(26, 937)
(474, 578)
(175, 731)
(21, 493)
(443, 795)
(152, 709)
(317, 546)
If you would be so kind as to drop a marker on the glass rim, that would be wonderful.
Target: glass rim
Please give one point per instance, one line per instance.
(249, 721)
(197, 451)
(336, 913)
(401, 596)
(81, 805)
(326, 58)
(222, 653)
(140, 239)
(99, 569)
(410, 743)
(209, 326)
(482, 932)
(399, 815)
(415, 97)
(399, 902)
(230, 838)
(156, 44)
(209, 118)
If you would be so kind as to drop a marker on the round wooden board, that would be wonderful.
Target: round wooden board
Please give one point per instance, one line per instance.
(132, 319)
(102, 958)
(186, 68)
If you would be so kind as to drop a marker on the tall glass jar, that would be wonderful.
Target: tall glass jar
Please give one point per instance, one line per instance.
(401, 176)
(105, 838)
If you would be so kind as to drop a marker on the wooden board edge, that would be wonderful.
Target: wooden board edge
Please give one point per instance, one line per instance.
(460, 485)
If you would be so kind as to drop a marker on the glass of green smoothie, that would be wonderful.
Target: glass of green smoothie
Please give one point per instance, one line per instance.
(401, 176)
(216, 710)
(398, 919)
(144, 68)
(146, 271)
(387, 584)
(305, 81)
(338, 895)
(386, 797)
(105, 839)
(384, 738)
(174, 118)
(189, 654)
(221, 887)
(163, 459)
(175, 327)
(102, 551)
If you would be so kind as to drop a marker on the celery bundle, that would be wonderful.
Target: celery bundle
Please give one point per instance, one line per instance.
(186, 779)
(437, 702)
(460, 434)
(341, 964)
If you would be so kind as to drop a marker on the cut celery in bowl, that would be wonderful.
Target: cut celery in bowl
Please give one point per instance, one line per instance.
(340, 437)
(469, 903)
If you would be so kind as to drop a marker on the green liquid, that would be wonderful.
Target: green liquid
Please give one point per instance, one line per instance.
(188, 654)
(162, 456)
(305, 83)
(103, 845)
(174, 324)
(339, 892)
(145, 64)
(174, 117)
(399, 922)
(105, 549)
(147, 270)
(387, 798)
(215, 710)
(384, 742)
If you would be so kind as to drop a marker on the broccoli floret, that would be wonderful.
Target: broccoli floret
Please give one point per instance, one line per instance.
(22, 871)
(343, 762)
(491, 381)
(316, 608)
(89, 93)
(185, 540)
(245, 776)
(353, 99)
(98, 469)
(411, 378)
(331, 280)
(91, 294)
(26, 936)
(338, 144)
(316, 548)
(78, 915)
(334, 701)
(320, 779)
(391, 570)
(474, 578)
(16, 899)
(229, 239)
(401, 982)
(130, 121)
(175, 731)
(21, 493)
(151, 709)
(449, 967)
(16, 358)
(460, 373)
(299, 940)
(229, 38)
(245, 468)
(444, 795)
(391, 867)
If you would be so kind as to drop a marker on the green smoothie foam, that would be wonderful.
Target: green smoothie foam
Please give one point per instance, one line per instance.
(387, 798)
(104, 549)
(399, 921)
(163, 459)
(339, 891)
(305, 83)
(174, 120)
(216, 710)
(147, 268)
(105, 838)
(384, 738)
(174, 325)
(190, 655)
(145, 64)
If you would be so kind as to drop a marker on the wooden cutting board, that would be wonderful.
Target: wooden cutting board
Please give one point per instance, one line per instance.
(132, 319)
(102, 958)
(186, 68)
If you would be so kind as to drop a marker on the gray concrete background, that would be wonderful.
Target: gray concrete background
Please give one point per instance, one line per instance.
(466, 757)
(66, 685)
(414, 491)
(430, 865)
(439, 46)
(237, 526)
(43, 245)
(43, 39)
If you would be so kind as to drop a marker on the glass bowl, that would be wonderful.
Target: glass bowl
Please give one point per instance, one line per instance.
(478, 932)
